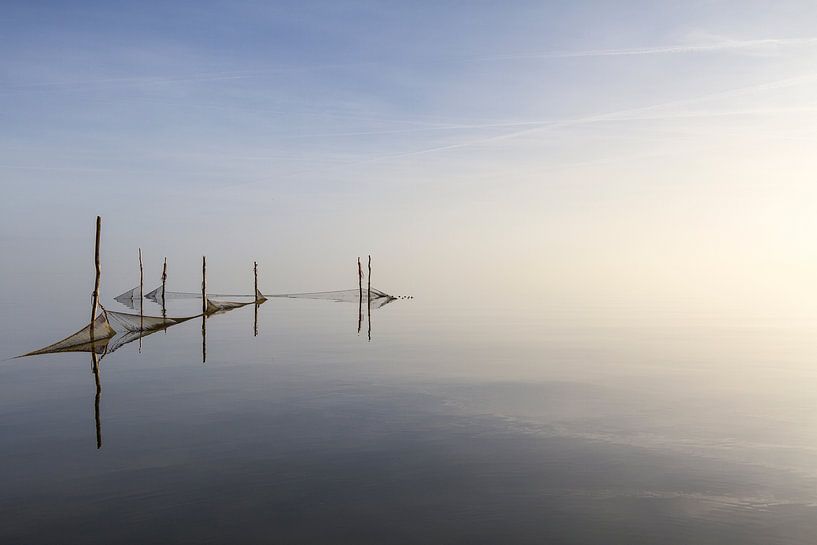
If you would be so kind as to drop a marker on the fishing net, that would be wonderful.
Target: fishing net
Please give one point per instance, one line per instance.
(111, 331)
(218, 307)
(378, 298)
(259, 297)
(91, 338)
(135, 322)
(156, 295)
(130, 299)
(350, 296)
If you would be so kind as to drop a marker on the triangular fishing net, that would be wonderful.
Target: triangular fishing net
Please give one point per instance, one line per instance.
(130, 299)
(111, 331)
(259, 297)
(156, 295)
(91, 338)
(217, 307)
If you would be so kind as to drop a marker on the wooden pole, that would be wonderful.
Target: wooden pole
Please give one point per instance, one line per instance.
(203, 309)
(94, 357)
(95, 294)
(360, 296)
(360, 278)
(255, 296)
(141, 295)
(369, 299)
(203, 285)
(164, 281)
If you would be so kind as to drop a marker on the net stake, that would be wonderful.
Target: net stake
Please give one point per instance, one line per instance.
(164, 281)
(369, 299)
(360, 297)
(95, 301)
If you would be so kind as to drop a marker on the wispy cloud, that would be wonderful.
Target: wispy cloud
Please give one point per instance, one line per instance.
(219, 75)
(630, 113)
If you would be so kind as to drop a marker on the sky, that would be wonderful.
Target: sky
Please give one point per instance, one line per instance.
(656, 154)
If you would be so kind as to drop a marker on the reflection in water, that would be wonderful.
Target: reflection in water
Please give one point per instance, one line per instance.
(255, 321)
(112, 330)
(97, 420)
(204, 338)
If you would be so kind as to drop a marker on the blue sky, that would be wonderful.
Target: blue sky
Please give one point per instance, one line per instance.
(571, 149)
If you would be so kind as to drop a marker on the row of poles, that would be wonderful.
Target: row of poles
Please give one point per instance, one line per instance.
(95, 308)
(98, 274)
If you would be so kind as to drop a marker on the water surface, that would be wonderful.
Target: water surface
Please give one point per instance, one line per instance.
(481, 423)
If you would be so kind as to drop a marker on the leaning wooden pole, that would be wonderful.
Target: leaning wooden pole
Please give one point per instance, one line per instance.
(360, 278)
(95, 295)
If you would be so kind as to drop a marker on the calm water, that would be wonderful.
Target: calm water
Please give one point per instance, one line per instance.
(479, 423)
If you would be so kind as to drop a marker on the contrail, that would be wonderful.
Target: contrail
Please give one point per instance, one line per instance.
(658, 50)
(203, 77)
(506, 124)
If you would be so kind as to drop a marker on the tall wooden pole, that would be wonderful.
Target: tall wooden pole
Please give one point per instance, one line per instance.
(164, 281)
(94, 357)
(203, 285)
(360, 296)
(203, 309)
(257, 299)
(95, 295)
(141, 295)
(369, 299)
(141, 278)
